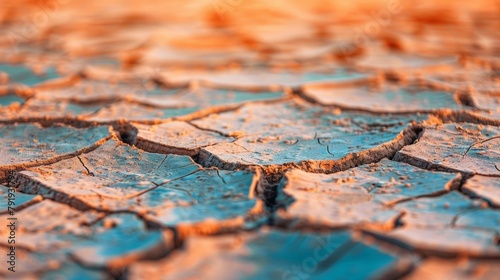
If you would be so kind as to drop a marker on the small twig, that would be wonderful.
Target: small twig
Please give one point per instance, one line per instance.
(480, 142)
(496, 167)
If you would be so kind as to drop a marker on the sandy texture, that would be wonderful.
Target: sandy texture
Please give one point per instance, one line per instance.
(170, 190)
(247, 256)
(382, 99)
(28, 145)
(455, 147)
(311, 138)
(162, 104)
(176, 137)
(363, 196)
(62, 232)
(486, 188)
(231, 139)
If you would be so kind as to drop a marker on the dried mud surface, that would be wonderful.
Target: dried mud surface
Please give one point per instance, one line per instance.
(250, 139)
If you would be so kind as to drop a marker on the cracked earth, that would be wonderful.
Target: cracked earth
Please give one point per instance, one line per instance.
(251, 140)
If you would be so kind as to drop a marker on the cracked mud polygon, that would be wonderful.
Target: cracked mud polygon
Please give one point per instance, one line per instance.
(221, 139)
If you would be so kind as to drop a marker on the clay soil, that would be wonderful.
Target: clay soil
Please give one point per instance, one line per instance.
(221, 139)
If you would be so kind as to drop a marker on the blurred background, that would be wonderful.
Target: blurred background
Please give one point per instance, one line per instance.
(238, 33)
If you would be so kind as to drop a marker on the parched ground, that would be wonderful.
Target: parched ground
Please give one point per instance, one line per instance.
(232, 139)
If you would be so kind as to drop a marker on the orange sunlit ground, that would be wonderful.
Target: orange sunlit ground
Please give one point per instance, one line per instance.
(239, 139)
